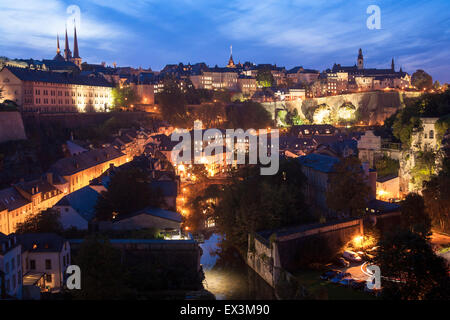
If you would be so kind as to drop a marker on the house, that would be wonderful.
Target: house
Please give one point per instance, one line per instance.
(369, 147)
(78, 208)
(10, 267)
(317, 169)
(45, 258)
(148, 218)
(388, 187)
(169, 191)
(80, 169)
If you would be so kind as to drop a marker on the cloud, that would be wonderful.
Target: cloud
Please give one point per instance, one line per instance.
(34, 25)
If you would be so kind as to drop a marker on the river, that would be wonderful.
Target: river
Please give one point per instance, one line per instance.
(228, 277)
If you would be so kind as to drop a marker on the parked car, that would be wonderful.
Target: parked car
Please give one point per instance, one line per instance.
(329, 274)
(352, 256)
(339, 277)
(343, 263)
(347, 282)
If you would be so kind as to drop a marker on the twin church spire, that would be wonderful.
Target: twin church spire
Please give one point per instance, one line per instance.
(76, 59)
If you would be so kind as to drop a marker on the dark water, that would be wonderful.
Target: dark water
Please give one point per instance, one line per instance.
(228, 277)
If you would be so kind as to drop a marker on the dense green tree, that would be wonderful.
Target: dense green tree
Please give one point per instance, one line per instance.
(128, 191)
(408, 258)
(102, 273)
(436, 195)
(427, 105)
(348, 191)
(424, 168)
(172, 102)
(265, 78)
(47, 221)
(421, 80)
(124, 97)
(248, 115)
(414, 217)
(253, 202)
(387, 166)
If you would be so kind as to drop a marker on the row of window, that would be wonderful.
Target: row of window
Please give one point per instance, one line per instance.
(66, 93)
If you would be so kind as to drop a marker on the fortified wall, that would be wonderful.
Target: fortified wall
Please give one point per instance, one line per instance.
(272, 254)
(374, 106)
(11, 126)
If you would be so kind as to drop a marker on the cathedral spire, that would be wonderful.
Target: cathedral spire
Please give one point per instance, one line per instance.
(231, 62)
(392, 65)
(75, 41)
(58, 50)
(67, 53)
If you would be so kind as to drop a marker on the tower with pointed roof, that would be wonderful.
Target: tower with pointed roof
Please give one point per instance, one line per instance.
(392, 65)
(230, 61)
(58, 56)
(76, 56)
(360, 60)
(67, 53)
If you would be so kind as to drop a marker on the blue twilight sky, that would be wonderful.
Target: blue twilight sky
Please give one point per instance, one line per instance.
(313, 33)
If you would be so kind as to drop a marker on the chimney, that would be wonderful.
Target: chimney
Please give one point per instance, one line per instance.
(50, 177)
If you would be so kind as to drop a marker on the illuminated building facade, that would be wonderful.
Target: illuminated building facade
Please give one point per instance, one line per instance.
(42, 91)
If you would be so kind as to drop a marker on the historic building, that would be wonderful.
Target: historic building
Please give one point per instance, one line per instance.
(359, 78)
(46, 91)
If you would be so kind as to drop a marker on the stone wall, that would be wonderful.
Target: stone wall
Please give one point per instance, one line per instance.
(271, 260)
(374, 106)
(11, 127)
(77, 120)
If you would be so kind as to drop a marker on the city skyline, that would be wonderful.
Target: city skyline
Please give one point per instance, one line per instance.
(136, 34)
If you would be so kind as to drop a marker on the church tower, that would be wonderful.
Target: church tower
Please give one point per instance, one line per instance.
(392, 65)
(360, 60)
(230, 61)
(58, 56)
(67, 53)
(76, 56)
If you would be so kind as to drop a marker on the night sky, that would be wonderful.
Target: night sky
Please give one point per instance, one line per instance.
(314, 34)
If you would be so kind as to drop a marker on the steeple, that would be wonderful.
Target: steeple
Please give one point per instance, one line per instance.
(360, 60)
(58, 51)
(58, 56)
(67, 53)
(75, 41)
(392, 65)
(230, 61)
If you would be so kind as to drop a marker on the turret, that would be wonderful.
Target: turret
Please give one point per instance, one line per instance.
(360, 60)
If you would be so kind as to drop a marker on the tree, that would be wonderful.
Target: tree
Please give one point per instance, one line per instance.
(102, 273)
(387, 166)
(436, 85)
(419, 273)
(421, 80)
(128, 191)
(414, 217)
(124, 97)
(436, 195)
(348, 191)
(424, 168)
(253, 203)
(172, 102)
(47, 221)
(427, 105)
(264, 78)
(248, 115)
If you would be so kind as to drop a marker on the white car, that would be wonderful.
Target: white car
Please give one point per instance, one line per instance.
(352, 256)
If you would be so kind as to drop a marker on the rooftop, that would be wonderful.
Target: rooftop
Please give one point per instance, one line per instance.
(318, 162)
(157, 212)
